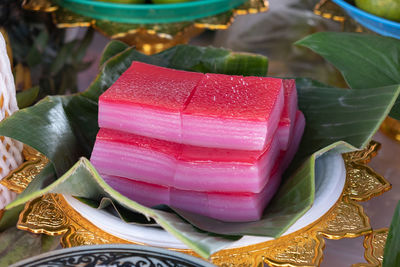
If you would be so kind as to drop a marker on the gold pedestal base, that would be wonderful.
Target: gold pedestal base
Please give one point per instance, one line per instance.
(52, 215)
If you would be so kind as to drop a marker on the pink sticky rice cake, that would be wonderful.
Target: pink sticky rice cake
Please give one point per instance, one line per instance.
(236, 207)
(288, 113)
(148, 100)
(183, 166)
(212, 144)
(228, 205)
(233, 112)
(209, 110)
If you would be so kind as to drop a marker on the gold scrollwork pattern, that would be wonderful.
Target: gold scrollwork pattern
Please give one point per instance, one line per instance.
(148, 38)
(83, 237)
(19, 178)
(346, 219)
(363, 182)
(44, 216)
(52, 215)
(363, 156)
(374, 244)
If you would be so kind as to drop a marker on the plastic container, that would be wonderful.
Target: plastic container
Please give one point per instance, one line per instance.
(374, 23)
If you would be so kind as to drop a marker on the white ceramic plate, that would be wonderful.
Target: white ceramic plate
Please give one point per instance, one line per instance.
(329, 182)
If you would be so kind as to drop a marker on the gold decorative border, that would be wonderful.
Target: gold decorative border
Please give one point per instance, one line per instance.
(52, 215)
(18, 179)
(152, 38)
(374, 244)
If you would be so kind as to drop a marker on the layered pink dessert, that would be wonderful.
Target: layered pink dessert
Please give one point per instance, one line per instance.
(223, 206)
(288, 113)
(210, 110)
(148, 100)
(295, 138)
(183, 166)
(208, 143)
(233, 112)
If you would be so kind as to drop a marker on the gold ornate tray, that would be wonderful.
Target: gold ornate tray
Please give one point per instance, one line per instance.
(148, 38)
(51, 214)
(374, 244)
(19, 178)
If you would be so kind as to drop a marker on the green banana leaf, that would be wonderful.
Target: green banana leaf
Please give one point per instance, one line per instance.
(366, 61)
(391, 256)
(64, 129)
(111, 50)
(10, 218)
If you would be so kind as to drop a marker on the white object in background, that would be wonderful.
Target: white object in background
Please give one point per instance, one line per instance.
(10, 150)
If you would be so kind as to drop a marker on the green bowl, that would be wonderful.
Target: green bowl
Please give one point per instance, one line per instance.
(149, 13)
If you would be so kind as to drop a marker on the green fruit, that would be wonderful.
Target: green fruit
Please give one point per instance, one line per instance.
(388, 9)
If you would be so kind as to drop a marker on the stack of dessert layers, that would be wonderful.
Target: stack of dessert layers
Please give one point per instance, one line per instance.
(208, 143)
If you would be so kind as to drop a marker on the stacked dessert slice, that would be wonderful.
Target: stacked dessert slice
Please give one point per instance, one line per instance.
(208, 143)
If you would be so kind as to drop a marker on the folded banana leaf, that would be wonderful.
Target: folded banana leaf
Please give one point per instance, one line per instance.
(64, 129)
(365, 60)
